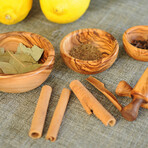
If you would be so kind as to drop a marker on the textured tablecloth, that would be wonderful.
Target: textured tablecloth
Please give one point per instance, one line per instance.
(79, 130)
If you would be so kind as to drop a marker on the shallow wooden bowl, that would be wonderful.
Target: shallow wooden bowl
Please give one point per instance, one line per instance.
(106, 43)
(18, 83)
(136, 33)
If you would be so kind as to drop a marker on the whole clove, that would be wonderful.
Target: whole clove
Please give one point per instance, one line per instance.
(140, 44)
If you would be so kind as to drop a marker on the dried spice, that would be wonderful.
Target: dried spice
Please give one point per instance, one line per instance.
(1, 51)
(140, 44)
(86, 52)
(35, 51)
(7, 68)
(22, 61)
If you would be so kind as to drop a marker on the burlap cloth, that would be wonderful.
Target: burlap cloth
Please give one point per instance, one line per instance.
(79, 130)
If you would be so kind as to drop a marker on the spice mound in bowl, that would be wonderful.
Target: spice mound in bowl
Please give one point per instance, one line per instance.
(135, 41)
(22, 61)
(89, 51)
(140, 44)
(26, 60)
(86, 52)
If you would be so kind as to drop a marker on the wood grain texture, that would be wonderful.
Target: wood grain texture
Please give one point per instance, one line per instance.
(106, 43)
(139, 94)
(136, 33)
(124, 89)
(24, 82)
(100, 86)
(141, 87)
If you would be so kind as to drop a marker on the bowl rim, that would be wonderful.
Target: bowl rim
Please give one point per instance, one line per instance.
(115, 51)
(130, 30)
(48, 62)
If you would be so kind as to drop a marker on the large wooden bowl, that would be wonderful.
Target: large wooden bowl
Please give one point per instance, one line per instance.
(106, 43)
(18, 83)
(136, 33)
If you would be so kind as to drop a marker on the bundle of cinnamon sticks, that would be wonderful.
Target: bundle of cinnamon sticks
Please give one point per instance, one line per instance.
(87, 100)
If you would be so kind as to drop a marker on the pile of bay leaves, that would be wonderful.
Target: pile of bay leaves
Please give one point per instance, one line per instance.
(22, 61)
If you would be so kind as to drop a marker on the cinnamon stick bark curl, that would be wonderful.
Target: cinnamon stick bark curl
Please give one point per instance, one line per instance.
(91, 104)
(40, 113)
(58, 115)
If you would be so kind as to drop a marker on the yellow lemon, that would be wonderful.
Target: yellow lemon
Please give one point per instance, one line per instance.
(64, 11)
(14, 11)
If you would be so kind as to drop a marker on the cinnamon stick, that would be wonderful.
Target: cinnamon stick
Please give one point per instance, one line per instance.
(40, 113)
(58, 115)
(91, 104)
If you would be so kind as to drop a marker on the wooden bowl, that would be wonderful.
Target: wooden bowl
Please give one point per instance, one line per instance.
(136, 33)
(18, 83)
(106, 43)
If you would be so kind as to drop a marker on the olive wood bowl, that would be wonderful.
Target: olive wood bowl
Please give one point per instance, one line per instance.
(18, 83)
(106, 43)
(136, 33)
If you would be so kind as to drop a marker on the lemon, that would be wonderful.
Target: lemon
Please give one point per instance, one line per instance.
(14, 11)
(64, 11)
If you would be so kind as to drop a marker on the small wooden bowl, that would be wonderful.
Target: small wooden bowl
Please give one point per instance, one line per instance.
(19, 83)
(136, 33)
(106, 43)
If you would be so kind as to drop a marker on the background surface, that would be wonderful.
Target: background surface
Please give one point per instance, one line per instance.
(79, 130)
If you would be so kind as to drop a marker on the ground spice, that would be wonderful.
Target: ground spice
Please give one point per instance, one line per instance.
(140, 44)
(86, 52)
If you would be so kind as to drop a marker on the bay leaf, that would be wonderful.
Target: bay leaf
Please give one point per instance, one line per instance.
(4, 58)
(35, 51)
(28, 66)
(12, 56)
(2, 51)
(23, 49)
(22, 61)
(1, 71)
(7, 68)
(19, 66)
(24, 57)
(7, 52)
(31, 67)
